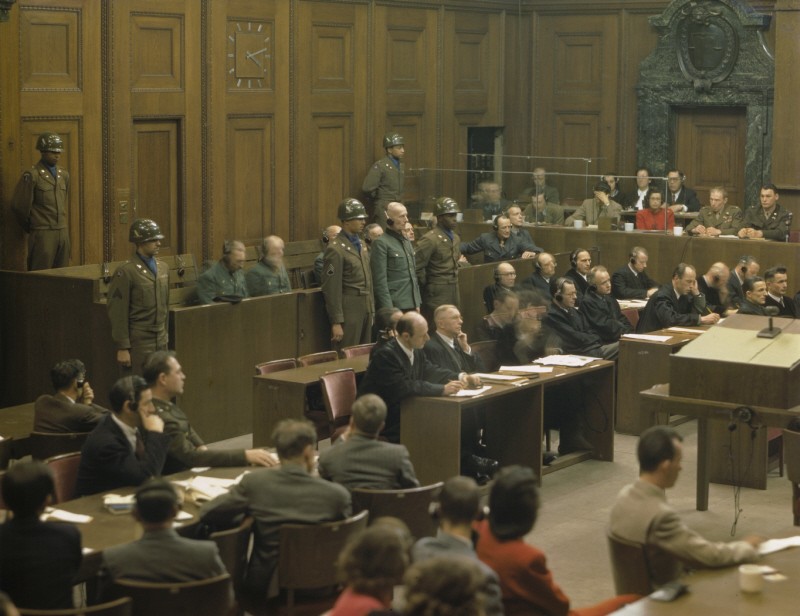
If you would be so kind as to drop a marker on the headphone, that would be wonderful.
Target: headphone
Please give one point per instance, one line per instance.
(573, 257)
(743, 414)
(558, 286)
(537, 266)
(227, 247)
(494, 222)
(325, 238)
(497, 274)
(389, 222)
(716, 278)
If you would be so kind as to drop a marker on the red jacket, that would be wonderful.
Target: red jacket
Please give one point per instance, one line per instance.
(653, 220)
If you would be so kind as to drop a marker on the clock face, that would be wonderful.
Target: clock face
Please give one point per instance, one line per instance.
(248, 52)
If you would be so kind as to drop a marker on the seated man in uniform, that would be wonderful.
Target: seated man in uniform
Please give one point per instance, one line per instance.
(755, 294)
(770, 221)
(602, 310)
(359, 460)
(677, 303)
(505, 278)
(72, 408)
(165, 378)
(631, 281)
(716, 218)
(777, 283)
(269, 275)
(225, 278)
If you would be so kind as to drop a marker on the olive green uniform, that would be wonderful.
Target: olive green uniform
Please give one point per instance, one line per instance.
(774, 227)
(138, 309)
(552, 214)
(384, 182)
(217, 281)
(437, 269)
(347, 289)
(40, 204)
(262, 279)
(728, 220)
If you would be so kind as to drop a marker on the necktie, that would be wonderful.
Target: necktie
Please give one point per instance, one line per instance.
(139, 445)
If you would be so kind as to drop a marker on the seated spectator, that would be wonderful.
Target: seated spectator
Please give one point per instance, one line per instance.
(328, 234)
(290, 493)
(717, 218)
(161, 555)
(714, 285)
(39, 561)
(770, 221)
(225, 278)
(444, 587)
(359, 460)
(631, 281)
(269, 275)
(497, 245)
(602, 311)
(746, 267)
(505, 277)
(544, 270)
(616, 194)
(679, 197)
(72, 408)
(656, 215)
(541, 212)
(520, 233)
(601, 206)
(165, 377)
(581, 261)
(129, 446)
(777, 281)
(541, 187)
(527, 584)
(370, 566)
(642, 515)
(457, 507)
(637, 199)
(755, 294)
(676, 303)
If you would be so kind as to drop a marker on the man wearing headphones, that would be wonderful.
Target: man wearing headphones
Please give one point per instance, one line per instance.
(679, 197)
(616, 194)
(602, 310)
(269, 275)
(746, 267)
(677, 303)
(714, 285)
(581, 261)
(631, 280)
(328, 234)
(224, 279)
(384, 181)
(520, 234)
(394, 269)
(505, 278)
(601, 206)
(544, 270)
(497, 245)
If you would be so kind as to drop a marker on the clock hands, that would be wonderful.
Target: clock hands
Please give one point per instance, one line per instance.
(252, 56)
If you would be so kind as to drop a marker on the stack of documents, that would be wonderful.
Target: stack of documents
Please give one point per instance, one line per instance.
(569, 361)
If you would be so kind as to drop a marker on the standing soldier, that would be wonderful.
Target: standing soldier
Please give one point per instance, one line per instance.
(138, 298)
(384, 180)
(347, 279)
(40, 205)
(437, 256)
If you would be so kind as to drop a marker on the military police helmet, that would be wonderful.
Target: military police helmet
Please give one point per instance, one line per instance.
(351, 208)
(392, 139)
(144, 230)
(445, 205)
(49, 142)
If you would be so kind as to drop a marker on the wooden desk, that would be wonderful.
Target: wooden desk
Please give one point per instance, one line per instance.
(716, 591)
(16, 423)
(431, 426)
(657, 400)
(282, 395)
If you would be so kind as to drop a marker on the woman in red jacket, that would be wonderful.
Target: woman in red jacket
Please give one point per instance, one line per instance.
(654, 217)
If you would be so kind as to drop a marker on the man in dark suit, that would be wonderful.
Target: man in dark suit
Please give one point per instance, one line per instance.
(631, 280)
(129, 446)
(581, 261)
(679, 197)
(602, 310)
(520, 233)
(777, 282)
(677, 303)
(545, 269)
(496, 245)
(276, 496)
(165, 377)
(161, 555)
(714, 286)
(360, 460)
(746, 267)
(505, 279)
(755, 293)
(72, 408)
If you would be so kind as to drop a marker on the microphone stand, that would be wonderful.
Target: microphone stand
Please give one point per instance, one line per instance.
(769, 332)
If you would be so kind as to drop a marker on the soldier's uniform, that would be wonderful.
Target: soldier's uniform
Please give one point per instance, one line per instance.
(384, 181)
(728, 220)
(40, 204)
(774, 227)
(217, 281)
(347, 282)
(437, 263)
(138, 303)
(261, 279)
(394, 272)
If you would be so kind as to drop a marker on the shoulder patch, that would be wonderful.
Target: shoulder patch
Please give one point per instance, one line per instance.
(330, 271)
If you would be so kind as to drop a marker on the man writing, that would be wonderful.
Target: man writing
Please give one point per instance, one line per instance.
(677, 303)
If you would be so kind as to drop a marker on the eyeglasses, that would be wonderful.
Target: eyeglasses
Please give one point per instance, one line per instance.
(509, 274)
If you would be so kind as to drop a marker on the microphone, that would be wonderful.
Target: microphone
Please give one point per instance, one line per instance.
(769, 332)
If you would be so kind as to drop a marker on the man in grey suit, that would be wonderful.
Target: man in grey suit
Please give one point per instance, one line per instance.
(72, 408)
(360, 460)
(458, 506)
(161, 555)
(289, 494)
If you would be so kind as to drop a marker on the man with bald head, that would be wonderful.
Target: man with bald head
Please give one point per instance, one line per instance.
(225, 278)
(545, 269)
(714, 285)
(679, 302)
(394, 269)
(269, 275)
(505, 277)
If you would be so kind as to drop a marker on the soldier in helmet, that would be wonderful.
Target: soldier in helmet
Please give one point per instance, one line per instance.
(437, 258)
(40, 205)
(384, 181)
(347, 279)
(138, 298)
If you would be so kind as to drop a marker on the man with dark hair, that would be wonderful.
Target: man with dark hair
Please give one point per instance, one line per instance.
(161, 555)
(39, 561)
(269, 275)
(755, 294)
(677, 303)
(601, 206)
(72, 408)
(777, 282)
(746, 267)
(520, 234)
(284, 495)
(581, 261)
(770, 221)
(631, 281)
(496, 245)
(165, 377)
(541, 212)
(679, 197)
(602, 311)
(225, 279)
(126, 448)
(360, 460)
(637, 199)
(642, 515)
(458, 508)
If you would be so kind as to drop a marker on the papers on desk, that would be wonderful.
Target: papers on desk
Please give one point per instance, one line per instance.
(469, 393)
(527, 369)
(569, 361)
(119, 504)
(632, 303)
(59, 515)
(203, 489)
(650, 337)
(498, 378)
(685, 330)
(776, 545)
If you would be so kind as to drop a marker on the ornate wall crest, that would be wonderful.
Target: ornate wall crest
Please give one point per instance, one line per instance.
(708, 45)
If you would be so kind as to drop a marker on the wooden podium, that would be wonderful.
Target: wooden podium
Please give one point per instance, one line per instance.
(731, 364)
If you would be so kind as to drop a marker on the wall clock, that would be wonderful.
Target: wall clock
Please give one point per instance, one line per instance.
(248, 52)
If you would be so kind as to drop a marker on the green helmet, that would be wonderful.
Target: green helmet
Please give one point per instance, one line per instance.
(445, 205)
(350, 209)
(392, 139)
(144, 230)
(49, 142)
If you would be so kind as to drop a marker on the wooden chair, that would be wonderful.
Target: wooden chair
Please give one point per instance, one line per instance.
(65, 474)
(118, 607)
(211, 596)
(411, 505)
(317, 358)
(356, 350)
(632, 314)
(791, 449)
(276, 365)
(233, 545)
(487, 351)
(338, 395)
(47, 445)
(308, 553)
(630, 566)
